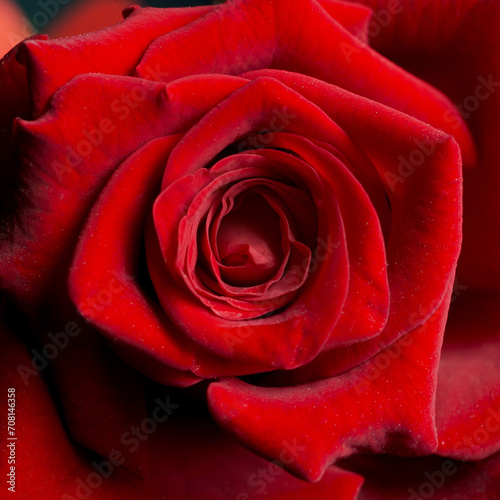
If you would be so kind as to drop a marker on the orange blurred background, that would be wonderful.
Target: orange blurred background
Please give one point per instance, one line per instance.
(57, 18)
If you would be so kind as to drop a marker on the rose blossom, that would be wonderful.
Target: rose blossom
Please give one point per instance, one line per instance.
(250, 204)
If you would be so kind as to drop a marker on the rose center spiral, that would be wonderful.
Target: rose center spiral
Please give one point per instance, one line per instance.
(249, 242)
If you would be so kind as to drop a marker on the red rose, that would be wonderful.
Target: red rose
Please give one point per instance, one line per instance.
(250, 204)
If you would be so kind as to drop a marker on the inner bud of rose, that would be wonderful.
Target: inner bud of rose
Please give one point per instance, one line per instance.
(249, 242)
(239, 236)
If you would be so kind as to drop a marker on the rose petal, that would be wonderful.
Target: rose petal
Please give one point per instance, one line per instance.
(354, 18)
(53, 464)
(274, 193)
(392, 411)
(302, 335)
(243, 226)
(258, 300)
(112, 51)
(102, 272)
(396, 478)
(205, 364)
(468, 397)
(439, 42)
(479, 266)
(101, 277)
(264, 104)
(276, 34)
(79, 362)
(14, 101)
(367, 304)
(64, 163)
(426, 209)
(224, 470)
(424, 26)
(261, 298)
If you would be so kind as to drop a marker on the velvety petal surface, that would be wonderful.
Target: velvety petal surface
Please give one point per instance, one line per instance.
(77, 359)
(112, 51)
(104, 284)
(103, 281)
(52, 465)
(354, 18)
(468, 394)
(294, 336)
(365, 311)
(275, 34)
(209, 464)
(389, 411)
(457, 49)
(93, 179)
(207, 365)
(14, 100)
(78, 158)
(440, 478)
(424, 190)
